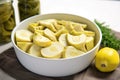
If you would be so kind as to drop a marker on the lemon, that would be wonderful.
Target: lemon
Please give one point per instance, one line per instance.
(107, 59)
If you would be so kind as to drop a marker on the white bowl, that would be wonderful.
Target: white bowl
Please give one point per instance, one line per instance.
(57, 67)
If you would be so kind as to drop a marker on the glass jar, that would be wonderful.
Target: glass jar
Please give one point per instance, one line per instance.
(7, 20)
(28, 8)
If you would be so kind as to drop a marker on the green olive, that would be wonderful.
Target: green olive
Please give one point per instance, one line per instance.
(6, 15)
(1, 26)
(5, 32)
(30, 11)
(28, 8)
(24, 1)
(10, 24)
(7, 39)
(4, 39)
(5, 7)
(7, 21)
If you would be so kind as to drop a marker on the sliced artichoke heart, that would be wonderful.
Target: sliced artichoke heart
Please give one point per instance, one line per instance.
(24, 45)
(89, 43)
(41, 41)
(23, 35)
(77, 41)
(35, 26)
(48, 24)
(72, 52)
(35, 50)
(63, 40)
(53, 51)
(51, 35)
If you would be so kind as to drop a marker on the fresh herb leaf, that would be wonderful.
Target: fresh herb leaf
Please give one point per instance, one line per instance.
(108, 37)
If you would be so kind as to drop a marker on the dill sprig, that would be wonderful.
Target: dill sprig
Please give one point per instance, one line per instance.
(108, 37)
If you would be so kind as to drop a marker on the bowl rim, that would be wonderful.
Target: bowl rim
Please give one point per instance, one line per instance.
(14, 30)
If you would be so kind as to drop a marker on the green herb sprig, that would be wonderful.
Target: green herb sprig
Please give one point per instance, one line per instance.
(108, 37)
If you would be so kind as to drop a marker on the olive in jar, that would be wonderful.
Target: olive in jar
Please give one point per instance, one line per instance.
(28, 8)
(7, 20)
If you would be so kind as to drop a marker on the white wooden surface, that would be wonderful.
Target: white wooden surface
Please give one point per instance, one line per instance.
(108, 11)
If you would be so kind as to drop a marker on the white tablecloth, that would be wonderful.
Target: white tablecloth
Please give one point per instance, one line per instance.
(108, 11)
